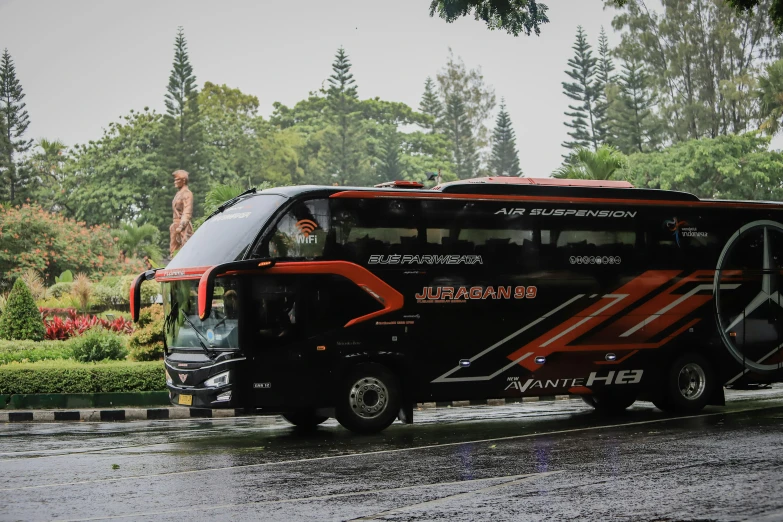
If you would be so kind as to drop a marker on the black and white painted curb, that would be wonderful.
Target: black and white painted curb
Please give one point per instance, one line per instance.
(176, 412)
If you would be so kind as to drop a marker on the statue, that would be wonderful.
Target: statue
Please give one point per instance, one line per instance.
(181, 229)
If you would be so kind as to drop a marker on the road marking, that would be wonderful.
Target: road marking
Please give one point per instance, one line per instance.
(515, 480)
(383, 452)
(510, 480)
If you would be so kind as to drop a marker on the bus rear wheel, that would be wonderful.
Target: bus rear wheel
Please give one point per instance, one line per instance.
(368, 399)
(305, 419)
(690, 382)
(609, 402)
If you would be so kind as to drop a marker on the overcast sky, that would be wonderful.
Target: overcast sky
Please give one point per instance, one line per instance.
(84, 63)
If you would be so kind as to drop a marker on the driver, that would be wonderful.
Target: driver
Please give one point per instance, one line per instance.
(277, 317)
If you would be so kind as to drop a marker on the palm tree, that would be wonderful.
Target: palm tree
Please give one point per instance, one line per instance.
(586, 164)
(771, 98)
(140, 241)
(50, 158)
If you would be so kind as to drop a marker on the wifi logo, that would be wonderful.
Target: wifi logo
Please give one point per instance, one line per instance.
(306, 226)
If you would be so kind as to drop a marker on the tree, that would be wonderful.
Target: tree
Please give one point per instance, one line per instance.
(504, 160)
(47, 165)
(140, 241)
(5, 153)
(232, 134)
(604, 81)
(634, 126)
(527, 16)
(702, 59)
(21, 318)
(771, 98)
(726, 167)
(346, 150)
(582, 90)
(16, 121)
(456, 126)
(515, 16)
(478, 98)
(120, 178)
(602, 164)
(430, 105)
(183, 132)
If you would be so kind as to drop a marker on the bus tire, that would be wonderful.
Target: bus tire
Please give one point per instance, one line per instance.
(305, 419)
(690, 382)
(368, 399)
(609, 402)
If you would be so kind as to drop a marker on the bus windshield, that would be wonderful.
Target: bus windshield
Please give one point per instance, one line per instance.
(184, 329)
(227, 236)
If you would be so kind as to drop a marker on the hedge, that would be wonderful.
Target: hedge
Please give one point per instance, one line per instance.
(32, 351)
(73, 377)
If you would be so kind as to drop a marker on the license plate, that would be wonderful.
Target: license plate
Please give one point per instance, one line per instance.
(186, 400)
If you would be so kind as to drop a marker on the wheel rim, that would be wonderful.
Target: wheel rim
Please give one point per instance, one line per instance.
(368, 397)
(692, 381)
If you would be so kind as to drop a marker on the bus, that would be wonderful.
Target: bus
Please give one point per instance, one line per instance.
(358, 303)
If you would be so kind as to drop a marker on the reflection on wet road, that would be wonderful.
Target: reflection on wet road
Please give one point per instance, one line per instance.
(530, 461)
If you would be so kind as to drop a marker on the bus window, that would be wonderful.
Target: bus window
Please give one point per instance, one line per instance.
(373, 227)
(590, 245)
(470, 228)
(302, 233)
(333, 301)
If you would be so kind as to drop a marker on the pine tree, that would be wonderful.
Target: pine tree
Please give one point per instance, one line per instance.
(456, 126)
(346, 147)
(183, 133)
(583, 68)
(504, 160)
(430, 104)
(635, 127)
(390, 167)
(604, 79)
(16, 121)
(21, 318)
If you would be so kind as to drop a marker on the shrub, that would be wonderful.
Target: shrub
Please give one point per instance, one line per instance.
(30, 237)
(146, 343)
(74, 324)
(35, 283)
(65, 277)
(32, 351)
(74, 377)
(21, 318)
(81, 290)
(98, 345)
(58, 290)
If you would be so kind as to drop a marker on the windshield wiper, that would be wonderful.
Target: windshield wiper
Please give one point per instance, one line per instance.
(231, 201)
(199, 336)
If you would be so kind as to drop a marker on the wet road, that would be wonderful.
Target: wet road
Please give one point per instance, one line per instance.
(531, 461)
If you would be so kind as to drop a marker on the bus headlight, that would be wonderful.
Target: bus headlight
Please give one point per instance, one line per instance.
(168, 378)
(217, 381)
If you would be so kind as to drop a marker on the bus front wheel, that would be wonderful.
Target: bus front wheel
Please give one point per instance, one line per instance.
(368, 399)
(305, 419)
(690, 382)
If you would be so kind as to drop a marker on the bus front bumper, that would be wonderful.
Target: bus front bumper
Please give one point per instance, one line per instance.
(212, 398)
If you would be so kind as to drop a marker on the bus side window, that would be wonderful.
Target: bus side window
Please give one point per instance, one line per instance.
(302, 233)
(373, 227)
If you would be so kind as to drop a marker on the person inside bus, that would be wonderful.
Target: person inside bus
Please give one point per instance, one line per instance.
(276, 317)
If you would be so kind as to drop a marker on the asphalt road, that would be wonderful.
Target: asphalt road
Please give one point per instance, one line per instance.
(531, 461)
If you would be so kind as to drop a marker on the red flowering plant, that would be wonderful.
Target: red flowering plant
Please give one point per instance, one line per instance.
(59, 329)
(31, 237)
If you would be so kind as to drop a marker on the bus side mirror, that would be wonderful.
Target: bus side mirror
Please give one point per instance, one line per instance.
(135, 293)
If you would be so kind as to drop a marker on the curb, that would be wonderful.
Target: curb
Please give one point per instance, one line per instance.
(178, 412)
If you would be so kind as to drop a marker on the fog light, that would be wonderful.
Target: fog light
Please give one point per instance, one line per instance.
(224, 397)
(540, 359)
(610, 357)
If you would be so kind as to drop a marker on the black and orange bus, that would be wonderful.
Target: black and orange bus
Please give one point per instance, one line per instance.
(359, 303)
